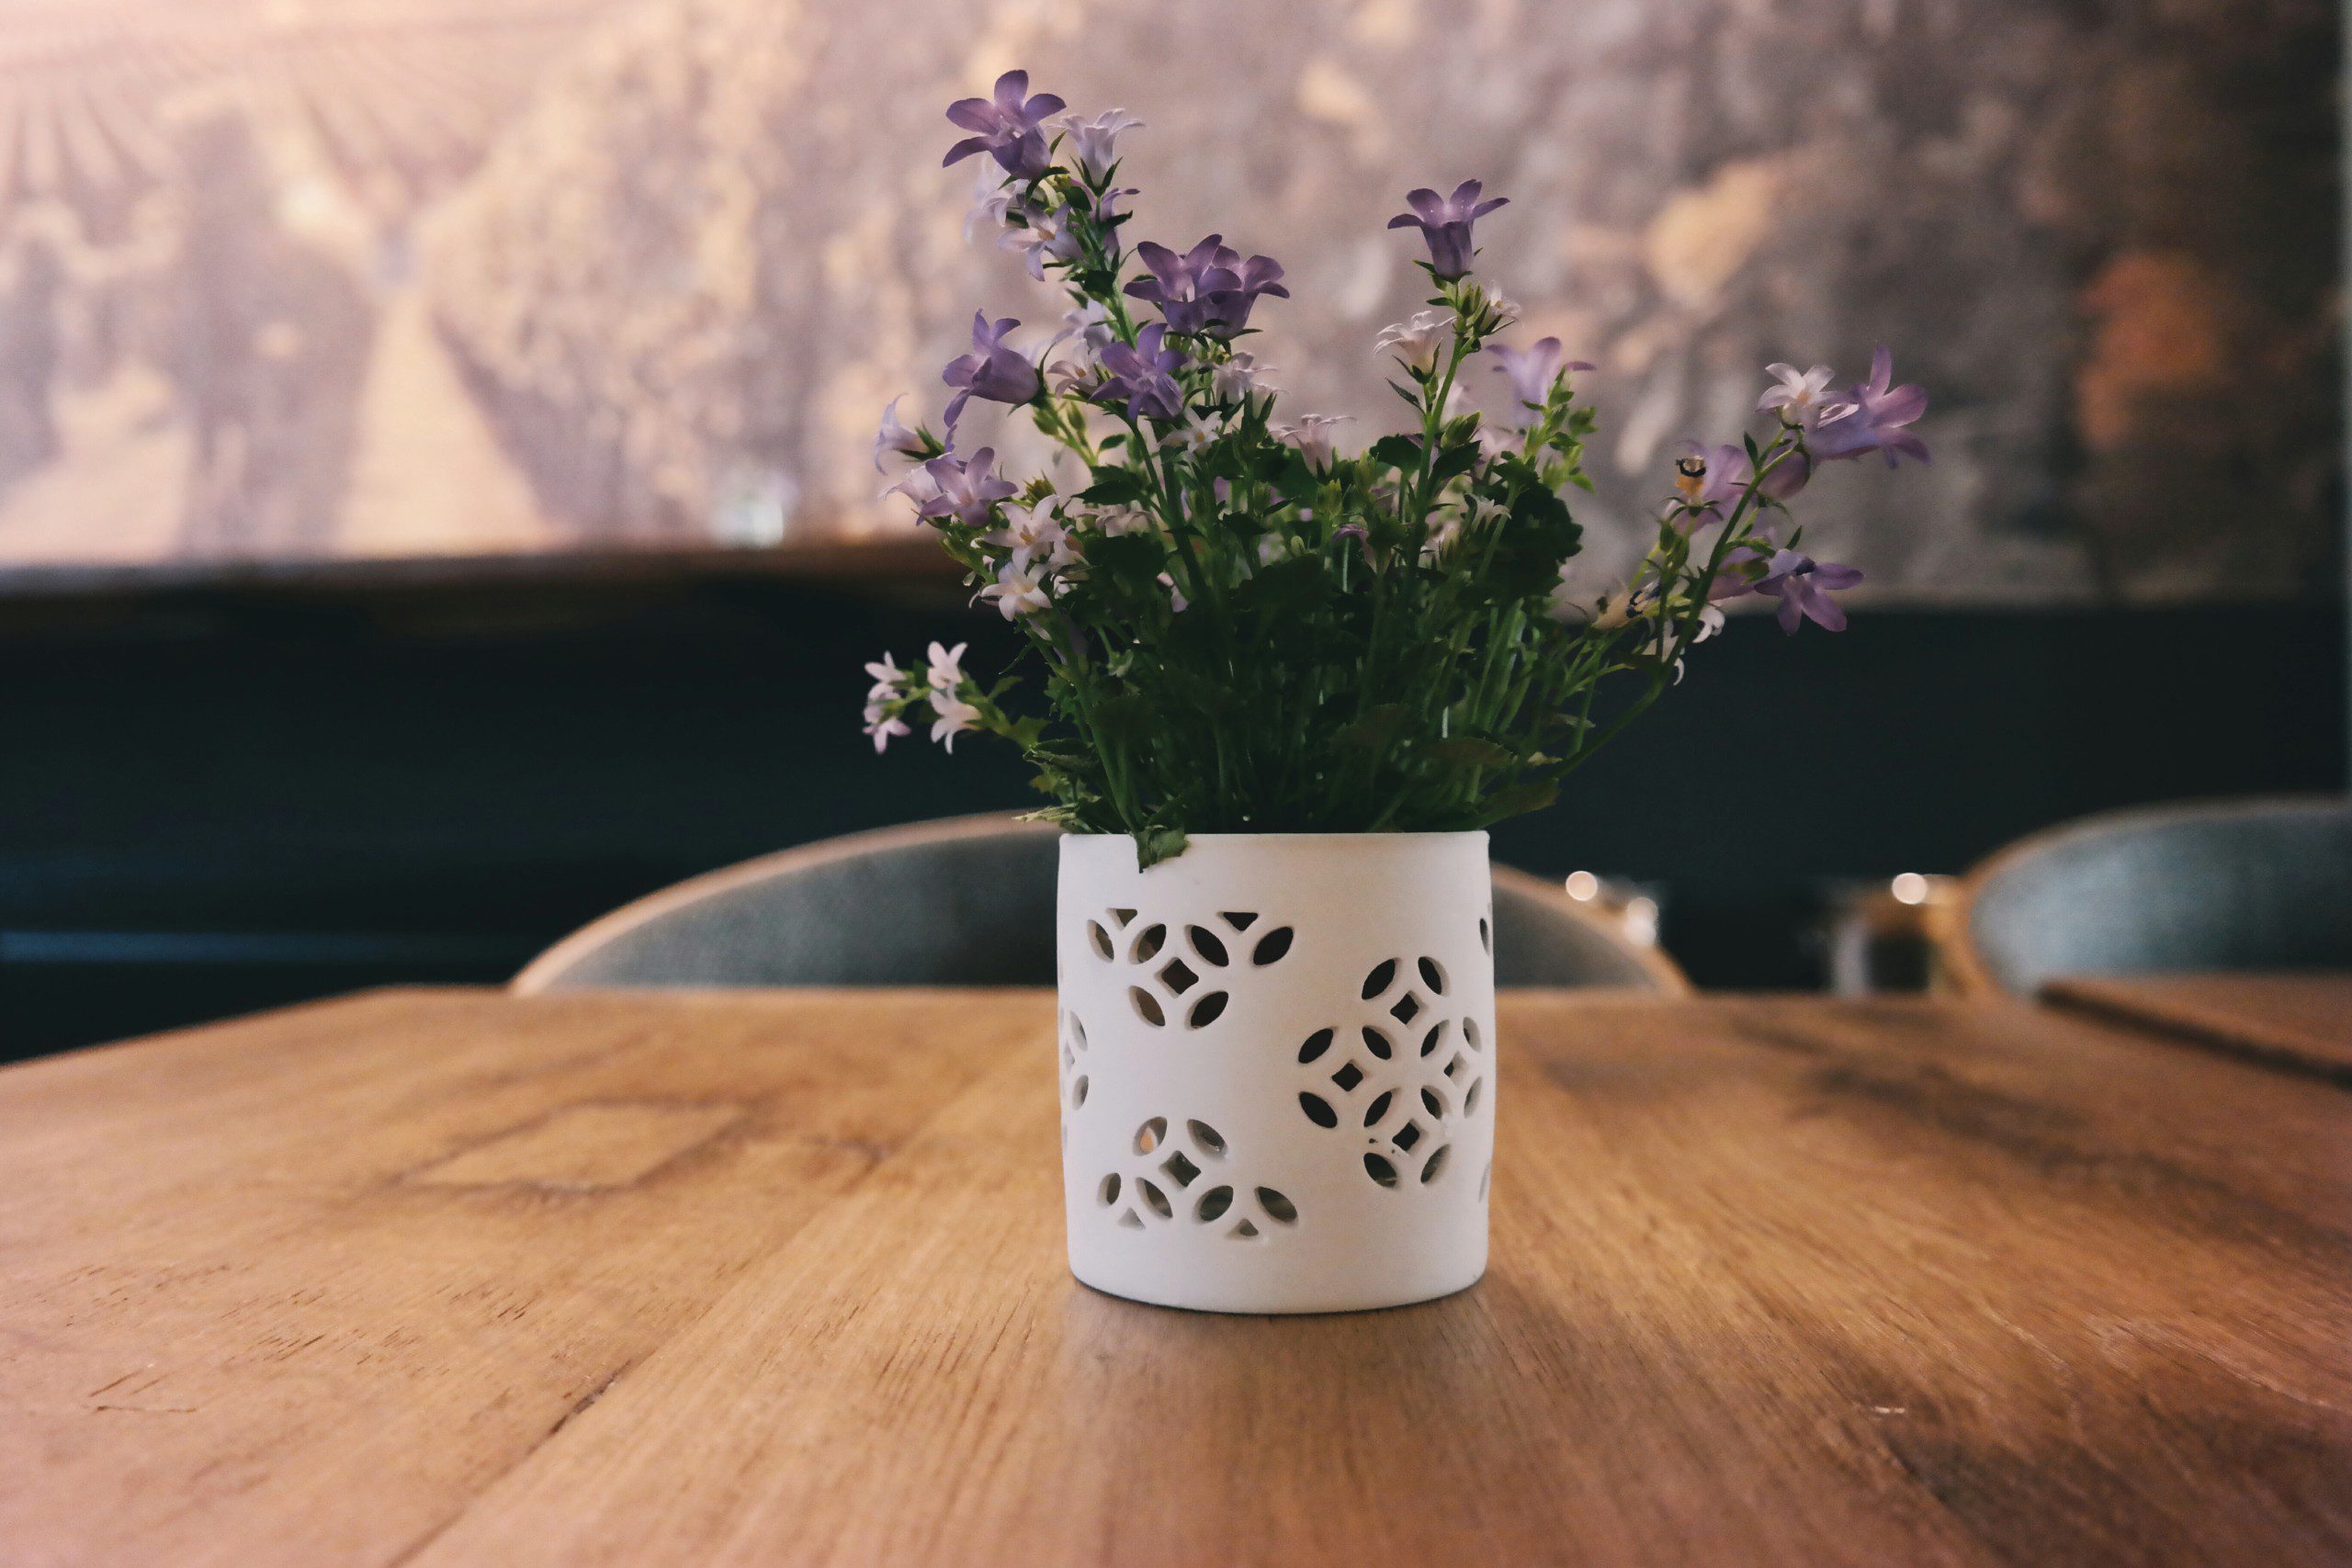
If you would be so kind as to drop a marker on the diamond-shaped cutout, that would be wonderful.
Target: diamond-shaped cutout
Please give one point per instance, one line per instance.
(1407, 1136)
(1347, 1077)
(1407, 1007)
(1179, 976)
(1179, 1170)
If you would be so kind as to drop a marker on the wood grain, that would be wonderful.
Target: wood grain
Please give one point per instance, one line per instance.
(2292, 1020)
(1788, 1281)
(246, 1317)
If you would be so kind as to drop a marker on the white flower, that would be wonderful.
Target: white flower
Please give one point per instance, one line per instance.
(1418, 342)
(1484, 509)
(1033, 531)
(1503, 308)
(1046, 236)
(953, 716)
(1090, 325)
(1711, 621)
(1312, 437)
(1498, 441)
(1019, 588)
(1093, 144)
(1799, 395)
(894, 436)
(882, 726)
(1176, 600)
(946, 674)
(888, 677)
(992, 198)
(920, 486)
(1117, 520)
(1193, 437)
(1240, 378)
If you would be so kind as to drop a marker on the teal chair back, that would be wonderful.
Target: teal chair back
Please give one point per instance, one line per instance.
(967, 901)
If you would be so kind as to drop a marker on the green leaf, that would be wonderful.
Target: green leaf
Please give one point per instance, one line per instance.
(1376, 728)
(1518, 800)
(1115, 487)
(1454, 460)
(1130, 562)
(1398, 451)
(1156, 844)
(1473, 752)
(1285, 588)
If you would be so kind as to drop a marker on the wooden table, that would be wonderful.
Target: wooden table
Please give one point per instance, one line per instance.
(440, 1278)
(2295, 1020)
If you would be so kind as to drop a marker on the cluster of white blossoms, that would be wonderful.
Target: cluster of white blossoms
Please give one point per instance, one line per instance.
(941, 682)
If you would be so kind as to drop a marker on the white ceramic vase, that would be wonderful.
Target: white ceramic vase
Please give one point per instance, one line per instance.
(1278, 1068)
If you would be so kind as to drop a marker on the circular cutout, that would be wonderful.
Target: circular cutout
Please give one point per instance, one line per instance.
(1470, 1033)
(1147, 1006)
(1157, 1200)
(1436, 1164)
(1382, 976)
(1212, 1204)
(1099, 938)
(1206, 1138)
(1433, 976)
(1378, 1109)
(1317, 1043)
(1205, 944)
(1318, 1110)
(1279, 1208)
(1377, 1043)
(1078, 1092)
(1434, 1038)
(1108, 1194)
(1470, 1097)
(1272, 946)
(1151, 1134)
(1485, 937)
(1148, 943)
(1208, 1010)
(1379, 1167)
(1434, 1103)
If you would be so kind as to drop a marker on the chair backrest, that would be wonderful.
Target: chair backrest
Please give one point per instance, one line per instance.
(2228, 885)
(967, 901)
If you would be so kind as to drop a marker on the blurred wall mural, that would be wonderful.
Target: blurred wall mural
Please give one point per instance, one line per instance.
(334, 278)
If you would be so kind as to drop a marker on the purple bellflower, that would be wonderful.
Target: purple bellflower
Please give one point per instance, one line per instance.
(965, 490)
(1874, 419)
(1533, 370)
(1144, 376)
(1093, 143)
(1444, 222)
(1008, 126)
(991, 370)
(1803, 586)
(1208, 290)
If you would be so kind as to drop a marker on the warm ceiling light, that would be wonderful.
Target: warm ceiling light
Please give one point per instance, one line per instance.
(1908, 887)
(1583, 886)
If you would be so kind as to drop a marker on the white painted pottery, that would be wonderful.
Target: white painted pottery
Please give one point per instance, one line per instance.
(1278, 1068)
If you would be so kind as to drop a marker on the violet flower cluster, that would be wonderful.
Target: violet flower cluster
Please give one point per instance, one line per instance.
(1235, 626)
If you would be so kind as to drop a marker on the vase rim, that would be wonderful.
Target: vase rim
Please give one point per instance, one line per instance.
(1287, 836)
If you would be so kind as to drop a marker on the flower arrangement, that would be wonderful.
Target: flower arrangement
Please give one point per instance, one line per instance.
(1237, 627)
